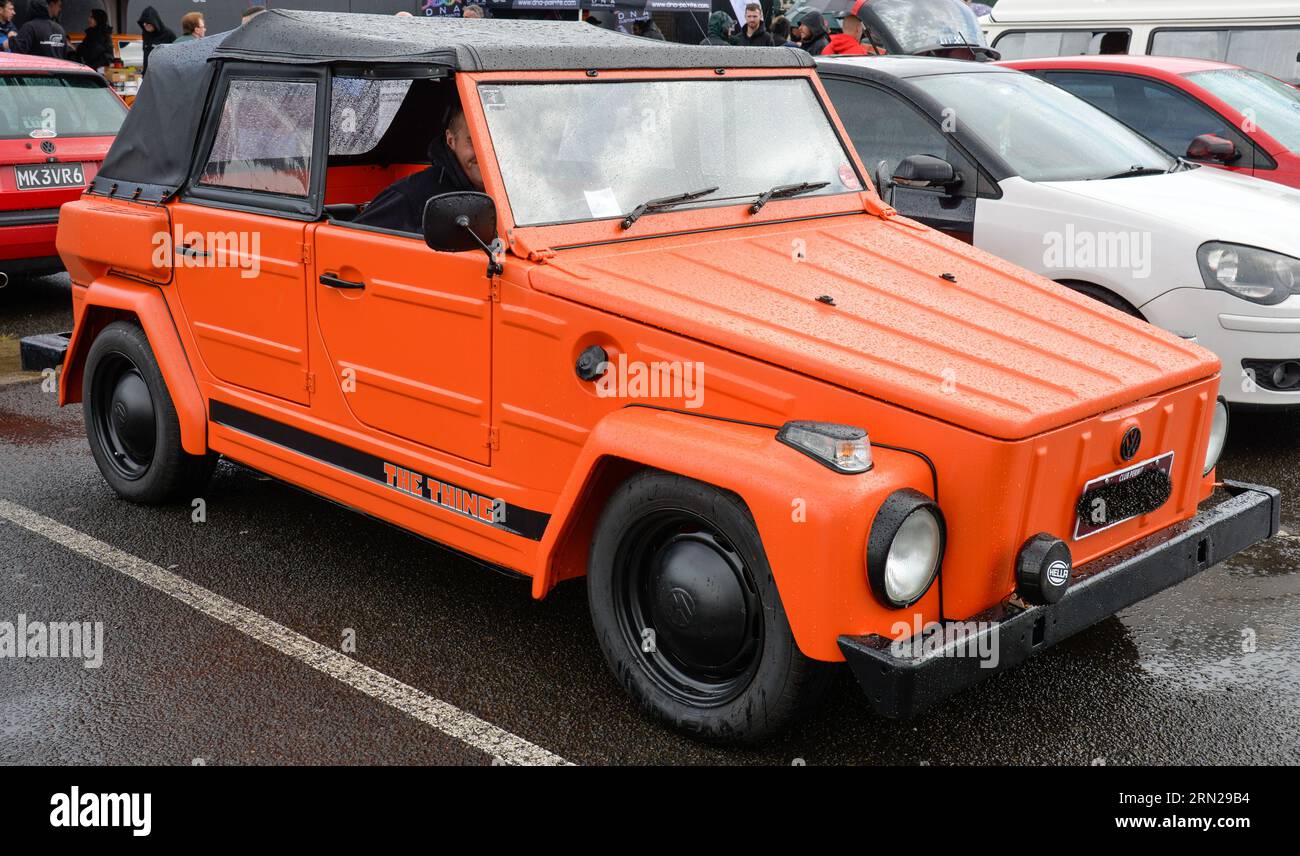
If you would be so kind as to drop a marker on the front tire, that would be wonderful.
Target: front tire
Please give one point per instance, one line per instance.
(688, 614)
(131, 422)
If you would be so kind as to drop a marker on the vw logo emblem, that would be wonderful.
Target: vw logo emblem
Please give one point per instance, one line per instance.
(47, 147)
(1128, 447)
(683, 607)
(1058, 572)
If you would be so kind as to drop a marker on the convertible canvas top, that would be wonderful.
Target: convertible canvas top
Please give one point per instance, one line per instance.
(151, 156)
(287, 36)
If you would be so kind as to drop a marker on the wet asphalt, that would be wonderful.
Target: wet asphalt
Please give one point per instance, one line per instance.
(1205, 673)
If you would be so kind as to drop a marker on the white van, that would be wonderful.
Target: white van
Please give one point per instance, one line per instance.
(1258, 34)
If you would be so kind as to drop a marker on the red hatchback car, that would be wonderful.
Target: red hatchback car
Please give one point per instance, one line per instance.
(1209, 112)
(57, 120)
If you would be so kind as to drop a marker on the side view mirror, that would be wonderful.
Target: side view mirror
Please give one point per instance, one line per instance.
(926, 171)
(1212, 147)
(462, 221)
(884, 183)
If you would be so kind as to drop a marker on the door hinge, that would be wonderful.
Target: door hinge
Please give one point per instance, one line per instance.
(494, 290)
(310, 384)
(306, 253)
(494, 438)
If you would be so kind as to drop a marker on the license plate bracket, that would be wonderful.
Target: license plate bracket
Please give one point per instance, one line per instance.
(1135, 490)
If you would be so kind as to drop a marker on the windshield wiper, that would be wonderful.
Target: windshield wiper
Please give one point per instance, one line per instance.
(783, 190)
(1134, 171)
(662, 203)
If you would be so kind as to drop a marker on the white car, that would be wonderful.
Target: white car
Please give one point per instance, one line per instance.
(1029, 172)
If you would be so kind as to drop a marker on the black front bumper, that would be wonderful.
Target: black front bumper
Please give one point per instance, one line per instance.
(900, 682)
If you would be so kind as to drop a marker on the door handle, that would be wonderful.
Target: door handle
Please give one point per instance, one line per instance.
(193, 252)
(333, 281)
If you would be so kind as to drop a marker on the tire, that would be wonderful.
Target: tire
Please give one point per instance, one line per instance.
(1101, 295)
(131, 421)
(683, 561)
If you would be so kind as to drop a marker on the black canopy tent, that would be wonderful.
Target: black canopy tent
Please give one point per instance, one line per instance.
(151, 156)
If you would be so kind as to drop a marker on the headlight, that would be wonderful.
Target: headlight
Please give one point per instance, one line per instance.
(843, 448)
(1260, 276)
(905, 548)
(1218, 435)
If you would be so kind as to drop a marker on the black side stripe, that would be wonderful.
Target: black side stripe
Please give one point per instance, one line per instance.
(524, 522)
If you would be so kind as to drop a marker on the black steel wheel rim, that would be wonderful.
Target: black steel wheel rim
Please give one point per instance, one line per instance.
(125, 419)
(687, 605)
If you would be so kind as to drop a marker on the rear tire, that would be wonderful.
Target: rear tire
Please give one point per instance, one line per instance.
(131, 422)
(688, 614)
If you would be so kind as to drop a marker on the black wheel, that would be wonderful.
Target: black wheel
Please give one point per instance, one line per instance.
(688, 614)
(1101, 295)
(131, 422)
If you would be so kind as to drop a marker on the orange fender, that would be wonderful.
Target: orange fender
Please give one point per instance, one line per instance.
(107, 300)
(814, 522)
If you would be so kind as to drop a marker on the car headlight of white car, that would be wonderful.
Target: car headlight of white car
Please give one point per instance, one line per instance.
(1260, 276)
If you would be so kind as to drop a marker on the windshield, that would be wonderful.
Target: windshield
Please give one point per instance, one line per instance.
(589, 151)
(920, 24)
(49, 105)
(1043, 132)
(1266, 101)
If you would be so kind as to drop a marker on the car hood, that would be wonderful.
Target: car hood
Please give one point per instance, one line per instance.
(996, 349)
(1210, 203)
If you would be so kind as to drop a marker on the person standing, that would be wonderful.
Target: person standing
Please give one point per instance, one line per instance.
(781, 33)
(646, 28)
(42, 35)
(192, 27)
(754, 34)
(812, 32)
(155, 33)
(721, 26)
(848, 42)
(96, 48)
(7, 28)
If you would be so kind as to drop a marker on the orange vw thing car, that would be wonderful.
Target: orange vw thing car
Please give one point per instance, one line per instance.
(579, 304)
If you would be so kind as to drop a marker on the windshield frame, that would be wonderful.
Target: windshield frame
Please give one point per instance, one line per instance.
(998, 164)
(701, 215)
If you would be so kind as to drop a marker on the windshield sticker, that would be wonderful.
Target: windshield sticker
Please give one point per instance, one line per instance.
(494, 98)
(849, 178)
(603, 203)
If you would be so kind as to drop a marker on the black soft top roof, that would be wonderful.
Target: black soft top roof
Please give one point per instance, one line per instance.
(151, 156)
(288, 36)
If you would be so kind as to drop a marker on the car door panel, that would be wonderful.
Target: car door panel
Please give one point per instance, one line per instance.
(411, 348)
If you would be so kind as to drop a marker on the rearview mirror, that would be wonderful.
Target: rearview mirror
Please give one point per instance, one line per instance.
(1212, 147)
(925, 171)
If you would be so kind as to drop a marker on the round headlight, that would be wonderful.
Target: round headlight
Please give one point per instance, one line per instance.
(905, 548)
(1218, 435)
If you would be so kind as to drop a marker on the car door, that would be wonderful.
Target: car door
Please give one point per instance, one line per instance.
(408, 334)
(885, 129)
(238, 231)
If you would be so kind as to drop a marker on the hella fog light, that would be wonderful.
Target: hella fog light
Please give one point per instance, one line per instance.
(905, 548)
(1218, 435)
(843, 448)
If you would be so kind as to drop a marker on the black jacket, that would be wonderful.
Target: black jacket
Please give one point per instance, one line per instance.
(818, 38)
(41, 35)
(400, 206)
(160, 35)
(96, 49)
(761, 38)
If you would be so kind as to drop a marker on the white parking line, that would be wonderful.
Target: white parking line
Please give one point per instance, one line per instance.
(444, 717)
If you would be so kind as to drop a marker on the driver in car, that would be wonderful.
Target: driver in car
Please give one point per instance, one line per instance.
(454, 167)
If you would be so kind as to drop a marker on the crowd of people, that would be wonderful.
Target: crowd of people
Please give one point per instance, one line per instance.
(43, 35)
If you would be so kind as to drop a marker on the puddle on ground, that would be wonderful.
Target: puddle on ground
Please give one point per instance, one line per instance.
(23, 429)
